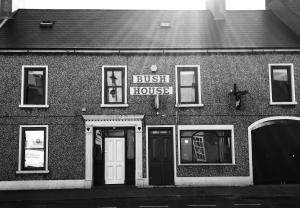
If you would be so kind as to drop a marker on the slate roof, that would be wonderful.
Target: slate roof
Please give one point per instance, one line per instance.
(139, 29)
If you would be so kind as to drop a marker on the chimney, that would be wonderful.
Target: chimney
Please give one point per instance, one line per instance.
(217, 8)
(5, 9)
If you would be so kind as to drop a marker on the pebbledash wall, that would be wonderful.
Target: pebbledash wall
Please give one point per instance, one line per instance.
(74, 82)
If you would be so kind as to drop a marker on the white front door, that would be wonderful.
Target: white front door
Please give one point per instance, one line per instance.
(114, 161)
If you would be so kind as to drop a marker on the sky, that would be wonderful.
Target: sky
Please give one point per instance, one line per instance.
(134, 4)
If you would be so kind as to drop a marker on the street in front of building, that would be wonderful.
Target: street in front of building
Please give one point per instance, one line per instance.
(148, 202)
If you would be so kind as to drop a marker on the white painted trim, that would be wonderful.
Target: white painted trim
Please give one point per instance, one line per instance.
(252, 127)
(199, 101)
(114, 105)
(33, 106)
(20, 171)
(213, 181)
(188, 105)
(103, 104)
(147, 149)
(206, 127)
(32, 172)
(44, 184)
(135, 121)
(22, 105)
(127, 51)
(293, 102)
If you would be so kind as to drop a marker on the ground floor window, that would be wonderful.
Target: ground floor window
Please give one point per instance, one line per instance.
(33, 148)
(206, 144)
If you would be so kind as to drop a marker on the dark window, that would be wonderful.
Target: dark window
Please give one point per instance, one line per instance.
(34, 86)
(281, 84)
(187, 85)
(114, 85)
(209, 146)
(33, 148)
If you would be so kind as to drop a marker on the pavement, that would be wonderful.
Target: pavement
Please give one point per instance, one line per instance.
(111, 192)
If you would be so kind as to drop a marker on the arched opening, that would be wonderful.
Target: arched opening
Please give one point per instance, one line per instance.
(276, 150)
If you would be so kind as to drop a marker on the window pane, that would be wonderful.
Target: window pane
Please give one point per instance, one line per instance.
(34, 86)
(98, 145)
(34, 139)
(281, 86)
(115, 133)
(187, 95)
(186, 149)
(114, 78)
(280, 75)
(34, 159)
(114, 95)
(187, 78)
(208, 146)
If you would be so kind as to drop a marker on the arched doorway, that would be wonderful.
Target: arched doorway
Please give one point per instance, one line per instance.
(276, 150)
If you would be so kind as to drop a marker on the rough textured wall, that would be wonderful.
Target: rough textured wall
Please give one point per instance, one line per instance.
(75, 82)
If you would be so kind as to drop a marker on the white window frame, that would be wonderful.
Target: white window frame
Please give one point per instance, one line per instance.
(103, 104)
(206, 127)
(22, 105)
(20, 171)
(293, 102)
(199, 101)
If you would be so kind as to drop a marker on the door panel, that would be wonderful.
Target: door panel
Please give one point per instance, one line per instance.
(274, 148)
(114, 161)
(161, 165)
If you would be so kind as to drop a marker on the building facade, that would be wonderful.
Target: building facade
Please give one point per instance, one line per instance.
(86, 117)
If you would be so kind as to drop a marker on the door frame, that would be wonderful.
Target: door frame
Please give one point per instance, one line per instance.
(92, 121)
(147, 148)
(258, 124)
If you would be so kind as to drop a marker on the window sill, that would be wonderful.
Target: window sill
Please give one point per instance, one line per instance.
(114, 105)
(32, 171)
(33, 106)
(189, 105)
(283, 103)
(206, 164)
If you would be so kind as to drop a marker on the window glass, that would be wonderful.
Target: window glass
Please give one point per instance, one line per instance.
(114, 78)
(188, 85)
(33, 146)
(34, 86)
(187, 78)
(281, 85)
(98, 145)
(187, 95)
(114, 95)
(114, 85)
(115, 133)
(209, 146)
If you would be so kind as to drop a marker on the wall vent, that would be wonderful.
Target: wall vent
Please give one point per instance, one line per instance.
(47, 24)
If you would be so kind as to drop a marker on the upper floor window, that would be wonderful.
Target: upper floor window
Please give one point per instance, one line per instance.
(206, 144)
(188, 86)
(33, 149)
(114, 86)
(282, 88)
(34, 86)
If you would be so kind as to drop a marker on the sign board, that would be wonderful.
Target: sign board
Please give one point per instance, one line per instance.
(151, 90)
(5, 8)
(151, 79)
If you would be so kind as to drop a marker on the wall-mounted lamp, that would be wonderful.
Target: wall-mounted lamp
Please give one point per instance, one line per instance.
(153, 68)
(238, 96)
